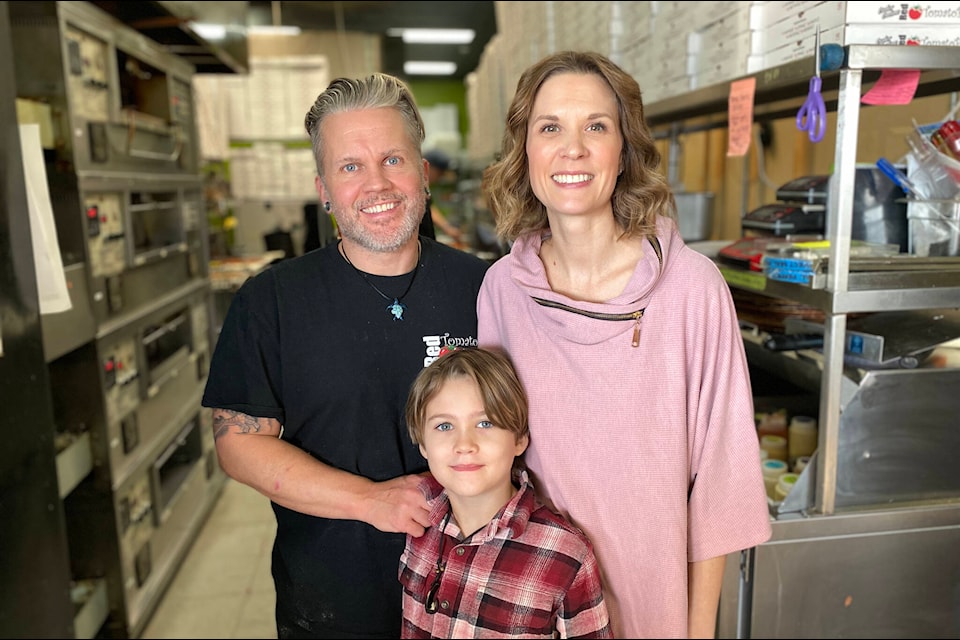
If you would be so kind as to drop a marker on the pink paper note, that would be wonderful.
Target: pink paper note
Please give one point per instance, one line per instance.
(740, 116)
(895, 86)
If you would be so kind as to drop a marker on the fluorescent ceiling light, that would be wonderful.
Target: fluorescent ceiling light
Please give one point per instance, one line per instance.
(209, 31)
(434, 36)
(215, 32)
(273, 30)
(429, 68)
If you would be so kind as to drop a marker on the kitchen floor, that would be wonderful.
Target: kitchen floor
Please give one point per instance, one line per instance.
(223, 588)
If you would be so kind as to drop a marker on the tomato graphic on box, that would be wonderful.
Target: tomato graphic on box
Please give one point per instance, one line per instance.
(915, 12)
(912, 42)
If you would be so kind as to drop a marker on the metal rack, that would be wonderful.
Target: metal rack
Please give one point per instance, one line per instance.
(939, 60)
(825, 534)
(136, 468)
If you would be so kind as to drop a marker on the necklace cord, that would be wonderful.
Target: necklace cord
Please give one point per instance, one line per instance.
(396, 306)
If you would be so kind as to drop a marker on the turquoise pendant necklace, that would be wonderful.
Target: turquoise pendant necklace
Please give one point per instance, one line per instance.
(396, 306)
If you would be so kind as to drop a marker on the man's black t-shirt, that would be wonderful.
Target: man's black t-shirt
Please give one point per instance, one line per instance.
(310, 343)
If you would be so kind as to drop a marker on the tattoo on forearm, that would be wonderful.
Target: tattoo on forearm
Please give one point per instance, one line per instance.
(223, 419)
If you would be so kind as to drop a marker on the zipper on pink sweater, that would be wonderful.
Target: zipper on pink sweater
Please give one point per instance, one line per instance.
(596, 315)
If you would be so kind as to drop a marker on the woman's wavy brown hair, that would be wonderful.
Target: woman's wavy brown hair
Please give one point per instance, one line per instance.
(641, 192)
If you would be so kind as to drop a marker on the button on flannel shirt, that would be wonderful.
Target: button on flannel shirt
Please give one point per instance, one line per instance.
(529, 573)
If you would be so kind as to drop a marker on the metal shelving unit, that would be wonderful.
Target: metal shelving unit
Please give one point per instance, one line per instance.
(939, 61)
(124, 367)
(829, 530)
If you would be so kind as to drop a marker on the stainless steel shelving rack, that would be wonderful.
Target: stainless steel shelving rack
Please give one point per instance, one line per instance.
(779, 92)
(823, 540)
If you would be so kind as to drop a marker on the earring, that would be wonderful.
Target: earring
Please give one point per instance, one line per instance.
(326, 207)
(428, 192)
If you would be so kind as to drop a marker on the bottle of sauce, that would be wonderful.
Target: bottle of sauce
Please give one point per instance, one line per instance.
(774, 423)
(949, 135)
(802, 438)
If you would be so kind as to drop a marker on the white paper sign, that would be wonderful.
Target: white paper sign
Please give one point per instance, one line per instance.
(51, 280)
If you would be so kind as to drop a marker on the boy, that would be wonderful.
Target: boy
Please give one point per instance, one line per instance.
(495, 562)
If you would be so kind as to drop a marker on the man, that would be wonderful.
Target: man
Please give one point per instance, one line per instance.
(314, 363)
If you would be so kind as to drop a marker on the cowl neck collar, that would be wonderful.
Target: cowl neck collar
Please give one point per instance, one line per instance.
(560, 312)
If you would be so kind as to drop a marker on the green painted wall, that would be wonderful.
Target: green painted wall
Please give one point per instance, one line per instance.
(431, 92)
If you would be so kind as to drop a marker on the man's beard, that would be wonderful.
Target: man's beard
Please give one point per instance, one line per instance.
(370, 238)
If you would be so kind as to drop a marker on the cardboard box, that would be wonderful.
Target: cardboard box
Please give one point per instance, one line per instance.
(903, 12)
(934, 23)
(719, 35)
(735, 48)
(722, 70)
(793, 50)
(832, 13)
(942, 35)
(826, 15)
(768, 14)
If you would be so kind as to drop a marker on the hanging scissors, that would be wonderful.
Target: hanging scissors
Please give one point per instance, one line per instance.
(812, 116)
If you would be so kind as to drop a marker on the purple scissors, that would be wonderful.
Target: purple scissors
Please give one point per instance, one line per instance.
(812, 116)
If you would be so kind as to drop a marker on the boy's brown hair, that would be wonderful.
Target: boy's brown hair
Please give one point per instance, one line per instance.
(504, 398)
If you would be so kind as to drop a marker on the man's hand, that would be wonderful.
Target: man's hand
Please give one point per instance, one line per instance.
(398, 506)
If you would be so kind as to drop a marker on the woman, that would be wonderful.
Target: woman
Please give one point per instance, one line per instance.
(627, 341)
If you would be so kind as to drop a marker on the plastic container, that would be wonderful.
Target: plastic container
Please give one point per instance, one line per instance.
(784, 484)
(801, 464)
(934, 227)
(934, 175)
(772, 470)
(775, 446)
